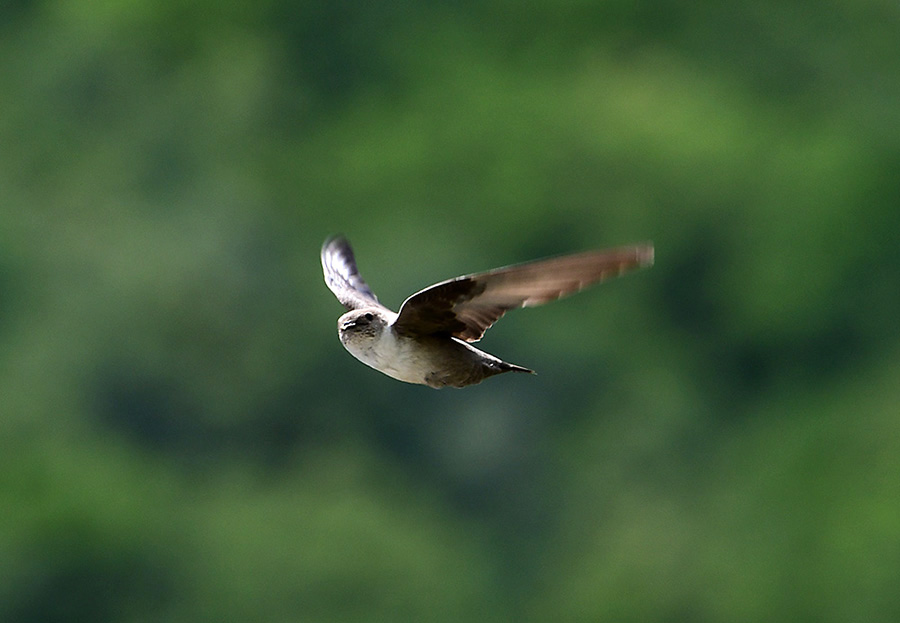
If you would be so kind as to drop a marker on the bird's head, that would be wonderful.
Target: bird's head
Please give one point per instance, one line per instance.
(361, 324)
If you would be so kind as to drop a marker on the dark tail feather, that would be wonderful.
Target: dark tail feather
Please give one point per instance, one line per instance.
(493, 367)
(511, 367)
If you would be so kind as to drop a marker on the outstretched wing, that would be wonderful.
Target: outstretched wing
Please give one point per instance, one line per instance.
(342, 276)
(467, 306)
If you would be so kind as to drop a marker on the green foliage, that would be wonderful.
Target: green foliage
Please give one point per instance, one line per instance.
(184, 439)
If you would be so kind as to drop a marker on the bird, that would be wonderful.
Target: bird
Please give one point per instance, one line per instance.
(429, 341)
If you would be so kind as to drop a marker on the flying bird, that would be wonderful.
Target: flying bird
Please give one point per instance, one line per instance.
(429, 340)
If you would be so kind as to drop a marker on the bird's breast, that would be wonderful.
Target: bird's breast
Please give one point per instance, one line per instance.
(402, 358)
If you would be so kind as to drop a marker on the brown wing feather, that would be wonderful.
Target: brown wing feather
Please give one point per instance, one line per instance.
(467, 306)
(342, 276)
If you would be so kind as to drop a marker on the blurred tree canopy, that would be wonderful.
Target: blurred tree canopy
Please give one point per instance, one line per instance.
(184, 439)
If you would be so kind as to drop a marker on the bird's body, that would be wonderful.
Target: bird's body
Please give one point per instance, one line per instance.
(427, 342)
(437, 361)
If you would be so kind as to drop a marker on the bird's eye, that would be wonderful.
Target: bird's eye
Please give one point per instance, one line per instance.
(368, 316)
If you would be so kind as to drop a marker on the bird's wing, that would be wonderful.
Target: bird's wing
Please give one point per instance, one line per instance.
(467, 306)
(342, 276)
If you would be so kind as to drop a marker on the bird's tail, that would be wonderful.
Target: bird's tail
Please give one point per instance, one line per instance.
(511, 367)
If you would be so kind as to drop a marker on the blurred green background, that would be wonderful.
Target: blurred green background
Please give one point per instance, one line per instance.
(184, 439)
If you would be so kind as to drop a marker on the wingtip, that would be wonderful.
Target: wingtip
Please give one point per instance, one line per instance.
(333, 238)
(646, 255)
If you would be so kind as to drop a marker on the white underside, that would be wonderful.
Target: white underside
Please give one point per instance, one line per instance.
(398, 358)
